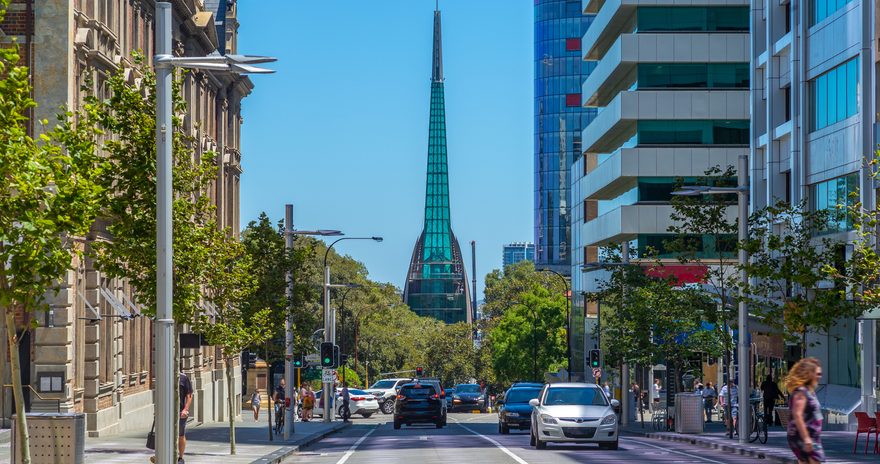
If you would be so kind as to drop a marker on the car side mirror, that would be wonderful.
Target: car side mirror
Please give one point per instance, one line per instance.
(615, 404)
(534, 402)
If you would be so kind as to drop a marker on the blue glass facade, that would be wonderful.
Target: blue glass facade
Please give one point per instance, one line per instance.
(517, 252)
(559, 119)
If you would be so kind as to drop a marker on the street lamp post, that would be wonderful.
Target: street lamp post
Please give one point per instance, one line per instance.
(164, 63)
(742, 197)
(329, 322)
(567, 317)
(289, 234)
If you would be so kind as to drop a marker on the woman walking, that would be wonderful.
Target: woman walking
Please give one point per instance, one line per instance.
(805, 426)
(255, 404)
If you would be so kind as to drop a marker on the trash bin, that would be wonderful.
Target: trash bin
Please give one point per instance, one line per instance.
(688, 413)
(54, 438)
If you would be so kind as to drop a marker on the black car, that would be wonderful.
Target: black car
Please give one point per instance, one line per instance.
(468, 397)
(514, 410)
(419, 403)
(438, 387)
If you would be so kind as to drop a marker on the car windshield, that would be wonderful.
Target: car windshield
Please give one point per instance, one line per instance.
(417, 392)
(384, 384)
(522, 395)
(467, 389)
(583, 396)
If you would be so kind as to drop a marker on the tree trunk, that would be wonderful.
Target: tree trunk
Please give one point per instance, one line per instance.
(15, 369)
(229, 402)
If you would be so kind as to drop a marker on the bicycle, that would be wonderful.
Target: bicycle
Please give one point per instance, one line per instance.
(279, 418)
(759, 426)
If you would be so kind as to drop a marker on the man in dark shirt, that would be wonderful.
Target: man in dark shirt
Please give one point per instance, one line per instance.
(278, 397)
(771, 393)
(346, 399)
(185, 392)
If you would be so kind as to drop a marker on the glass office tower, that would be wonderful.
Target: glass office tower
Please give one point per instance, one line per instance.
(559, 119)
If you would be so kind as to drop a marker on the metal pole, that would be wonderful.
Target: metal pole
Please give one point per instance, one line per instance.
(288, 326)
(745, 384)
(328, 337)
(165, 414)
(624, 368)
(474, 276)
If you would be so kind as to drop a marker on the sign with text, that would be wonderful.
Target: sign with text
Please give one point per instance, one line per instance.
(328, 375)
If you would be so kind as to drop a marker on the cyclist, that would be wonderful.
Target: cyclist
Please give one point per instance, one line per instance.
(278, 398)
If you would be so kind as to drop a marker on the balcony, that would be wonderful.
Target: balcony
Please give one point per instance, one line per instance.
(616, 123)
(617, 69)
(621, 171)
(627, 222)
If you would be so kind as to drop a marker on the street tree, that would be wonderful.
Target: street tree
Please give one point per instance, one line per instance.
(50, 195)
(505, 285)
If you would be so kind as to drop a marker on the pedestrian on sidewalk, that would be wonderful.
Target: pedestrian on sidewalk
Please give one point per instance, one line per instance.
(805, 427)
(185, 392)
(255, 404)
(308, 403)
(655, 395)
(771, 392)
(346, 400)
(709, 400)
(731, 411)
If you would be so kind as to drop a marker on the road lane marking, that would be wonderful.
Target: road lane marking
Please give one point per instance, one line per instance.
(694, 456)
(355, 446)
(490, 440)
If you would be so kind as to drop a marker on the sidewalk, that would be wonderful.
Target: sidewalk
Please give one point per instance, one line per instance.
(208, 443)
(838, 444)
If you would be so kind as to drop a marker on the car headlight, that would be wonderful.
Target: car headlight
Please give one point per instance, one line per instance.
(456, 397)
(610, 419)
(548, 419)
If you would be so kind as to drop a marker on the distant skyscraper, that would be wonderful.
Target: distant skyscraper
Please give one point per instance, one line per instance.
(559, 119)
(436, 284)
(516, 252)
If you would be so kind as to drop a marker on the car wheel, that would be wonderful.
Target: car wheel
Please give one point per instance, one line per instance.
(439, 424)
(503, 428)
(388, 406)
(396, 425)
(366, 415)
(532, 437)
(539, 444)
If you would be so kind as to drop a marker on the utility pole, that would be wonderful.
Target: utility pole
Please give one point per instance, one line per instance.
(288, 326)
(624, 368)
(474, 276)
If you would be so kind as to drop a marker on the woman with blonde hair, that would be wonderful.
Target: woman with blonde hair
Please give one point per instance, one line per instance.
(805, 426)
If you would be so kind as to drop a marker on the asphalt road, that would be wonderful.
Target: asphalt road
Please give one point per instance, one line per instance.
(475, 438)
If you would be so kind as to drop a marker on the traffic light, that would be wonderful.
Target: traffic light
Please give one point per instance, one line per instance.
(595, 358)
(327, 357)
(343, 359)
(298, 362)
(419, 371)
(335, 356)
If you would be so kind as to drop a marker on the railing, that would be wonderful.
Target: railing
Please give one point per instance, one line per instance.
(37, 394)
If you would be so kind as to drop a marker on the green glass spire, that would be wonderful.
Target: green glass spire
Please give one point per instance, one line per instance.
(436, 284)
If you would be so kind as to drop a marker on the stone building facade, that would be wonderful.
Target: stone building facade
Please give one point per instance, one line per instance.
(75, 360)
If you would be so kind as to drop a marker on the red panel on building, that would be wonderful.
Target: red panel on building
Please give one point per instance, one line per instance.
(683, 273)
(573, 44)
(573, 99)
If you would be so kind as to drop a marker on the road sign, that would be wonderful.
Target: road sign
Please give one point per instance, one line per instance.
(597, 372)
(328, 375)
(313, 357)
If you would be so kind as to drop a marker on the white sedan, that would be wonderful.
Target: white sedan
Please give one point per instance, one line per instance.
(573, 413)
(361, 402)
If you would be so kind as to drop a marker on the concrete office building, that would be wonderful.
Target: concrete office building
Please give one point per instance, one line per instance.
(813, 123)
(672, 88)
(103, 366)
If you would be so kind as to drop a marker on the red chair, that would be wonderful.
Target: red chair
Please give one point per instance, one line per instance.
(866, 425)
(877, 433)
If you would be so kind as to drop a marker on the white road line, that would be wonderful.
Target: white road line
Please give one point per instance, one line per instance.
(694, 456)
(497, 445)
(354, 446)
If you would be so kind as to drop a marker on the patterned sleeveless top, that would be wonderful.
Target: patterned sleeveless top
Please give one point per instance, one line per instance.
(812, 413)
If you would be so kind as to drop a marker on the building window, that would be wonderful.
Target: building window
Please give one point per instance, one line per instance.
(698, 246)
(692, 19)
(825, 8)
(834, 96)
(720, 132)
(834, 196)
(693, 75)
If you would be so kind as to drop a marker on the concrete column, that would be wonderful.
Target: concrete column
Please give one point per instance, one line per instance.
(53, 73)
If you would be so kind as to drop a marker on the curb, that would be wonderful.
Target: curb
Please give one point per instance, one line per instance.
(285, 452)
(757, 453)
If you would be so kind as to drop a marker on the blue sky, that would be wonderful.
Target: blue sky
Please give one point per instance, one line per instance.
(341, 129)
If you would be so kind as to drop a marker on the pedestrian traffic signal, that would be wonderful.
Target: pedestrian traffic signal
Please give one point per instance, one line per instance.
(298, 362)
(327, 354)
(343, 359)
(419, 371)
(595, 358)
(335, 356)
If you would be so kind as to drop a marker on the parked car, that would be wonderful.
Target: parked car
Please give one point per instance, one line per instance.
(418, 403)
(573, 413)
(514, 410)
(360, 403)
(468, 397)
(385, 392)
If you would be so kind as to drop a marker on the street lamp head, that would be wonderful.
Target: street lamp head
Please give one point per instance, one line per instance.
(329, 232)
(378, 239)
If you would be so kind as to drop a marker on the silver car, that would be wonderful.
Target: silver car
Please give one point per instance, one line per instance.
(574, 413)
